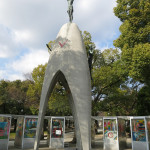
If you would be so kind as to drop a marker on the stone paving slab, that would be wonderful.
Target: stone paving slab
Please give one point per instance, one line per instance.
(11, 147)
(97, 144)
(62, 149)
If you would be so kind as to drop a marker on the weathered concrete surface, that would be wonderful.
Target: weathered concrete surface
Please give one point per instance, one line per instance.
(68, 63)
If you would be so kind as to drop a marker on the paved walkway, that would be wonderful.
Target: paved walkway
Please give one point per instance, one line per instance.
(97, 144)
(44, 147)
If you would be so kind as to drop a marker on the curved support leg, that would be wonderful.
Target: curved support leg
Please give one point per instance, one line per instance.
(48, 85)
(69, 62)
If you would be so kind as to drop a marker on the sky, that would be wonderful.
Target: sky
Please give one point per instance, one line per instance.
(26, 26)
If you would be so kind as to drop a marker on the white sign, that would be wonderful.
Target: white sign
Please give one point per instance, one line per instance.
(58, 132)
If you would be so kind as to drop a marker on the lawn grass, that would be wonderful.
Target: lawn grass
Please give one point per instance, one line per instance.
(12, 135)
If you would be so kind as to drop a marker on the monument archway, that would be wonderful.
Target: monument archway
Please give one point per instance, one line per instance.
(68, 63)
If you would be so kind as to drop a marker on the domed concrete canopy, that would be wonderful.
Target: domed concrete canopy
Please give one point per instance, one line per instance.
(68, 63)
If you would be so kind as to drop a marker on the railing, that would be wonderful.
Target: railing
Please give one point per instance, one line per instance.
(112, 128)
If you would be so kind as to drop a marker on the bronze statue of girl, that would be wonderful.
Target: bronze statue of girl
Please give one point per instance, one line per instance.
(70, 10)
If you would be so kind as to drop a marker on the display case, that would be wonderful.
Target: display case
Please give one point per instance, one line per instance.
(139, 134)
(5, 124)
(57, 131)
(148, 129)
(110, 131)
(114, 129)
(29, 132)
(26, 132)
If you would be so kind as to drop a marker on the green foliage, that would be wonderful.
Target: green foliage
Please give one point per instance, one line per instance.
(51, 43)
(38, 77)
(3, 95)
(134, 42)
(135, 36)
(143, 103)
(87, 39)
(59, 103)
(13, 95)
(34, 90)
(111, 73)
(140, 67)
(113, 90)
(122, 101)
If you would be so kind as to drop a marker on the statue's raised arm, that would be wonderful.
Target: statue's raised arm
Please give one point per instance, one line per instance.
(70, 10)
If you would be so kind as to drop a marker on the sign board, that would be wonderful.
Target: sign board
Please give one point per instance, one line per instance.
(110, 133)
(138, 130)
(5, 123)
(139, 133)
(30, 127)
(148, 129)
(29, 132)
(57, 132)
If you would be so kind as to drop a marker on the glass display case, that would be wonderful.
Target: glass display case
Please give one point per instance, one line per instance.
(139, 134)
(110, 129)
(5, 124)
(57, 131)
(26, 132)
(114, 129)
(148, 129)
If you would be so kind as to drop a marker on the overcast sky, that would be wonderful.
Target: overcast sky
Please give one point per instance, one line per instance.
(27, 25)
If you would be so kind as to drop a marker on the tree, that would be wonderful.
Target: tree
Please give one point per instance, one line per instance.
(58, 103)
(134, 40)
(13, 95)
(140, 67)
(123, 100)
(34, 90)
(108, 74)
(3, 96)
(143, 103)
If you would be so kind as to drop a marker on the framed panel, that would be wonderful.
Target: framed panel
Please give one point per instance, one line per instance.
(138, 130)
(57, 132)
(5, 123)
(29, 132)
(139, 133)
(110, 131)
(4, 127)
(30, 127)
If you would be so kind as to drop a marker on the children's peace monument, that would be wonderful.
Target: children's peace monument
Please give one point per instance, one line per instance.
(68, 64)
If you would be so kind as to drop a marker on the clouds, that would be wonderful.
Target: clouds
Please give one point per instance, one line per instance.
(8, 45)
(27, 62)
(38, 18)
(27, 25)
(15, 69)
(98, 18)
